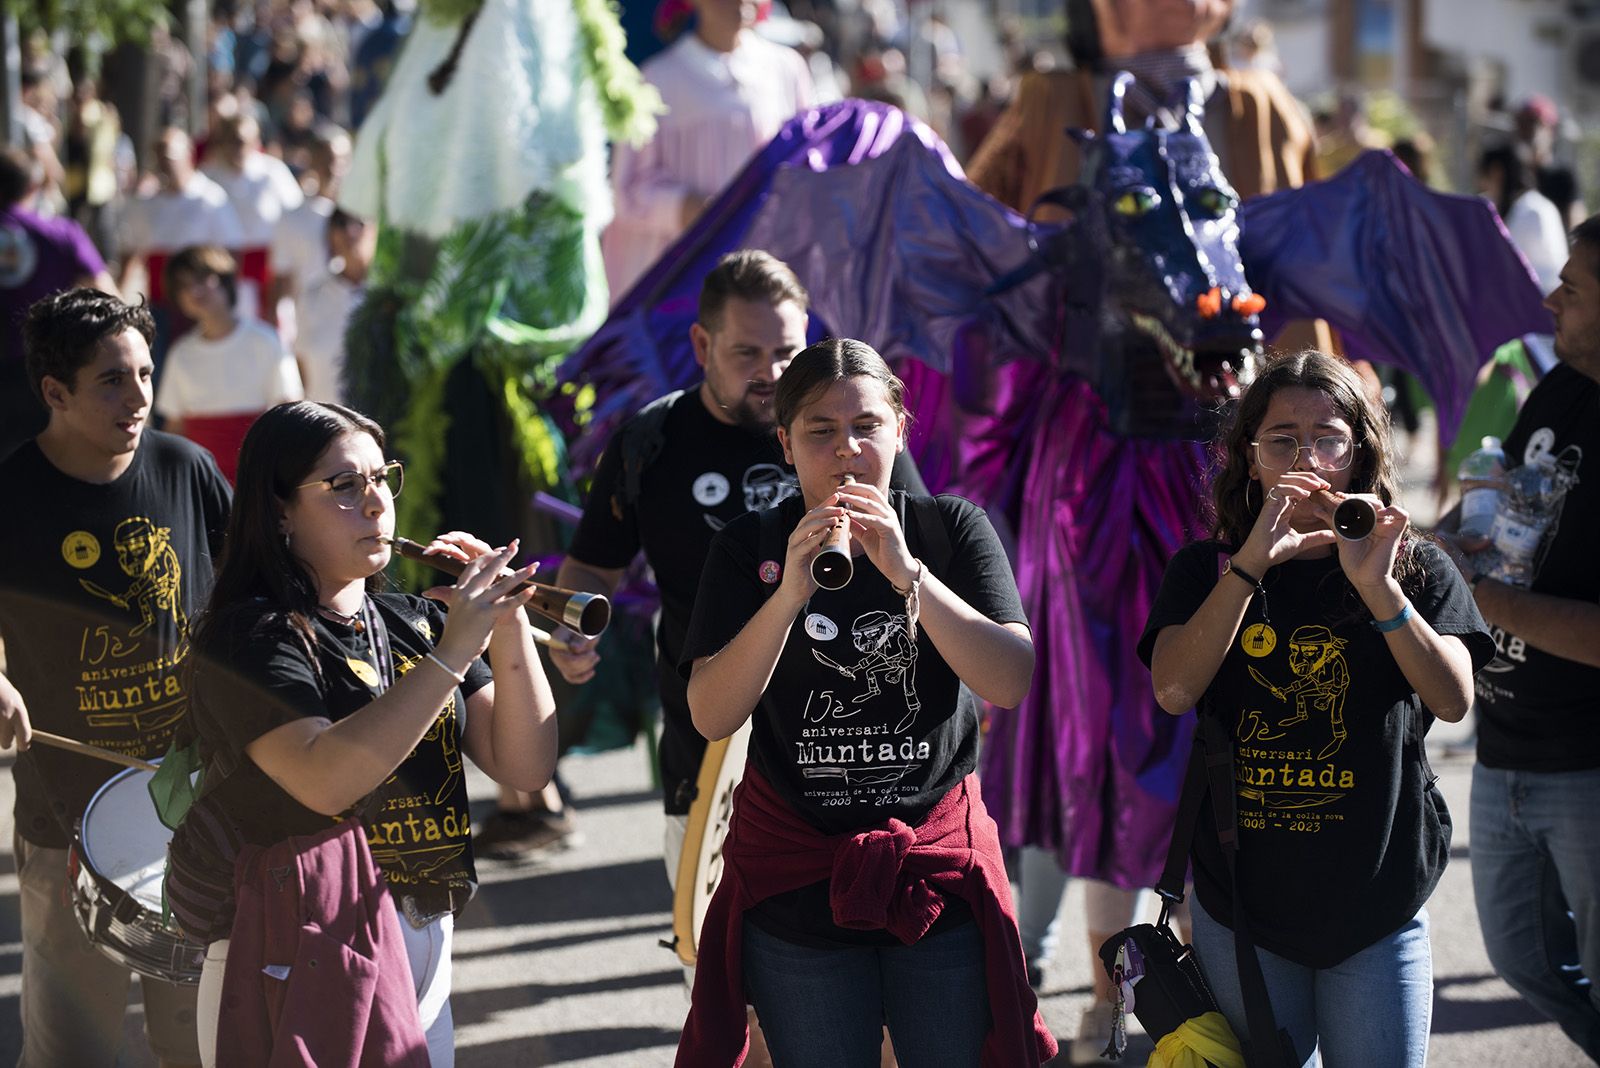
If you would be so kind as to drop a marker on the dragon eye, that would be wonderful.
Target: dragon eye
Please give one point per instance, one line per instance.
(1212, 202)
(1136, 202)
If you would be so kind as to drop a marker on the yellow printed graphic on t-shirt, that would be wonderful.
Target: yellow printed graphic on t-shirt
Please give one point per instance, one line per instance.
(1286, 763)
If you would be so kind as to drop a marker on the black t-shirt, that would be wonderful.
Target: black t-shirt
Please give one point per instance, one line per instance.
(98, 584)
(255, 674)
(1342, 834)
(707, 474)
(858, 723)
(1537, 711)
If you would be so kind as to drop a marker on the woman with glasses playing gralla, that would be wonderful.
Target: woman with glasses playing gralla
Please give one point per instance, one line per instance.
(1326, 660)
(321, 698)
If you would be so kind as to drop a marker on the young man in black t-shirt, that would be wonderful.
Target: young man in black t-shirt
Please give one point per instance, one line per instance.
(1535, 860)
(109, 558)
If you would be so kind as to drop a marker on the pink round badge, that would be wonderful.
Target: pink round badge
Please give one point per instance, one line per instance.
(770, 571)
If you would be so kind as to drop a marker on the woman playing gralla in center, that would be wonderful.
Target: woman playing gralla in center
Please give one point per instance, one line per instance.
(863, 884)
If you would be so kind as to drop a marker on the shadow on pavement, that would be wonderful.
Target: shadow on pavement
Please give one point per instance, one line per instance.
(630, 888)
(563, 1046)
(652, 926)
(1466, 1015)
(480, 1005)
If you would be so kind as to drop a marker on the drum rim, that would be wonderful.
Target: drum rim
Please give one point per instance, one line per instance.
(122, 910)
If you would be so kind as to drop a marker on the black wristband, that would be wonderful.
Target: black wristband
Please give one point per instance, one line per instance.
(1235, 569)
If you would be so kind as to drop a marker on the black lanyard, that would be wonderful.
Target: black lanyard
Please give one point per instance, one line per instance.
(378, 642)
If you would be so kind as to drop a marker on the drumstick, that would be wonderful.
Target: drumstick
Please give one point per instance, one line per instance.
(548, 640)
(75, 746)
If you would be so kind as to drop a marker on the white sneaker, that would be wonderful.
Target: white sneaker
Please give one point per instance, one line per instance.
(1094, 1034)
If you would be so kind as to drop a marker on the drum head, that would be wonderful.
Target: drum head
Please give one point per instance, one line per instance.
(124, 841)
(700, 869)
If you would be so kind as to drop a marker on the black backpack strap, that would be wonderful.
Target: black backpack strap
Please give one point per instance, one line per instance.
(1211, 764)
(1260, 1052)
(1174, 874)
(641, 442)
(933, 537)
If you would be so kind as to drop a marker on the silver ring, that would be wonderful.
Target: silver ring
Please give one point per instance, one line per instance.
(1273, 493)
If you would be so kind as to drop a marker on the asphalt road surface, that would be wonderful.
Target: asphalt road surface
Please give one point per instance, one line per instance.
(557, 962)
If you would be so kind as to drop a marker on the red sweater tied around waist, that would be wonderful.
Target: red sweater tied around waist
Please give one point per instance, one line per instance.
(895, 877)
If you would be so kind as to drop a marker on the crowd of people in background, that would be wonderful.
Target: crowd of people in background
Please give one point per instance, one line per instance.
(287, 82)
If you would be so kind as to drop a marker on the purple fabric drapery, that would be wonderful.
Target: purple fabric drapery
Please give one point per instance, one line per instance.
(872, 212)
(1429, 282)
(898, 250)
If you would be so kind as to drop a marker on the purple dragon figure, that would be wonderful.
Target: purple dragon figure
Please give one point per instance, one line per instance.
(1063, 374)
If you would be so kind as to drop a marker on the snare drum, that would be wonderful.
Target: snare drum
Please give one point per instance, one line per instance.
(700, 867)
(119, 859)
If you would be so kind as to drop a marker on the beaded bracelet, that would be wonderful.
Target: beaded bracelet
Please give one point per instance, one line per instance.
(459, 676)
(913, 599)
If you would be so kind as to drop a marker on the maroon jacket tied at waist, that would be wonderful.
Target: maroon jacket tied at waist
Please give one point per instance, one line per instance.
(317, 971)
(895, 877)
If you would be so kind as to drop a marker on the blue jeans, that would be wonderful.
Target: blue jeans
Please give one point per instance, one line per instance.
(1371, 1010)
(826, 1008)
(1536, 877)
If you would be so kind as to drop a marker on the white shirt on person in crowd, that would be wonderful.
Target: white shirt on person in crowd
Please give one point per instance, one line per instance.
(262, 192)
(1536, 229)
(164, 222)
(721, 108)
(299, 253)
(247, 371)
(324, 308)
(300, 243)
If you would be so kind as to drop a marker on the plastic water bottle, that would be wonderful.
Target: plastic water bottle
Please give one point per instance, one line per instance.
(1482, 476)
(1532, 501)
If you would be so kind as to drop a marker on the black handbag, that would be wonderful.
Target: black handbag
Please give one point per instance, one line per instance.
(1171, 987)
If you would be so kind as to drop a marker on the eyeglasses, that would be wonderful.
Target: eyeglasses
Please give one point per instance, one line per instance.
(1331, 452)
(349, 488)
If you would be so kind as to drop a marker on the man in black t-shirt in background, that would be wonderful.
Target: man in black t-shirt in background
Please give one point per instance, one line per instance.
(682, 469)
(1536, 789)
(107, 558)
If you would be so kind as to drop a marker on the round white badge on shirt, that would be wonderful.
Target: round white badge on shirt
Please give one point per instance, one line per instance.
(1540, 444)
(821, 627)
(711, 489)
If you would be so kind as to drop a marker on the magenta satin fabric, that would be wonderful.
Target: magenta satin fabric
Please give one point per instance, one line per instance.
(1088, 765)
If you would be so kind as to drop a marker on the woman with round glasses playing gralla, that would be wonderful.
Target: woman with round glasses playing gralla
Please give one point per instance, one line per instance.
(320, 698)
(1325, 660)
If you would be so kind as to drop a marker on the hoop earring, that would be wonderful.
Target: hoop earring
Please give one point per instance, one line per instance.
(1253, 482)
(286, 546)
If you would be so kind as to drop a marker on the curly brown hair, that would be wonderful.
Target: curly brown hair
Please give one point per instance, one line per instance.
(1372, 471)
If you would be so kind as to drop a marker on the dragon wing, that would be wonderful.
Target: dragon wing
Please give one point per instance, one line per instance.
(1426, 281)
(872, 213)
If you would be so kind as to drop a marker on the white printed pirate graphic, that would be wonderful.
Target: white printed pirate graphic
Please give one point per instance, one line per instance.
(764, 486)
(890, 654)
